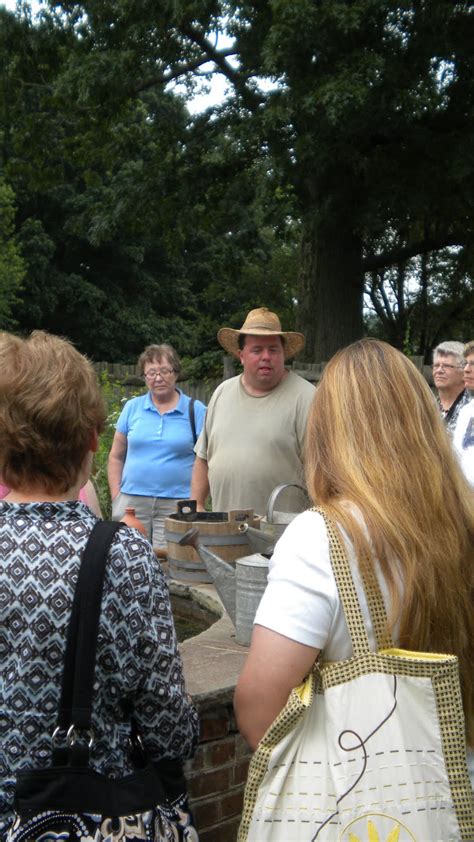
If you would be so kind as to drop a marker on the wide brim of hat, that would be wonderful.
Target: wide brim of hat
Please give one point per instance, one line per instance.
(229, 339)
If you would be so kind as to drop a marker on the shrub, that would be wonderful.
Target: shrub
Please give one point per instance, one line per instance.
(115, 395)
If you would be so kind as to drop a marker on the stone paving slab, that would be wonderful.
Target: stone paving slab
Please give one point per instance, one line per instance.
(213, 659)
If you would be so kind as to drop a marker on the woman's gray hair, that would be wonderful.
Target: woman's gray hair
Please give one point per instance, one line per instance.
(157, 352)
(454, 349)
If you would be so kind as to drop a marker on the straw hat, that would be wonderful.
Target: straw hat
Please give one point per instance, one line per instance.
(260, 322)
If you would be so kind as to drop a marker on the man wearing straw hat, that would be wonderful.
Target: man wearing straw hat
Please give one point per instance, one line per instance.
(255, 425)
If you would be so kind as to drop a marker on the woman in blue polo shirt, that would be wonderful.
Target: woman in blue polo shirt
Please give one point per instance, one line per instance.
(152, 454)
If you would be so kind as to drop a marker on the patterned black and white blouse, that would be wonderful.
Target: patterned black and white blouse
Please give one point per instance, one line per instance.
(451, 415)
(137, 656)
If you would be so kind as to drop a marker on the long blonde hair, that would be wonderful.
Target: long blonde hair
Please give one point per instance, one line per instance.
(375, 438)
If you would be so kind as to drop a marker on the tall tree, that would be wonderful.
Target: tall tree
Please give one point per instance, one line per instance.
(358, 113)
(97, 199)
(366, 111)
(136, 222)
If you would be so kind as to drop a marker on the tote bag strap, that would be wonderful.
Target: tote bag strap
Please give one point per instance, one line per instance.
(349, 598)
(376, 607)
(75, 707)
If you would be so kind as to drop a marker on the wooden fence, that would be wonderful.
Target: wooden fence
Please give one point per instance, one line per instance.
(202, 390)
(313, 371)
(130, 381)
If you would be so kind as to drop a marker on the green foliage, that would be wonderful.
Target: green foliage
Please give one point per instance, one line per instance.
(115, 397)
(12, 267)
(137, 224)
(206, 366)
(140, 223)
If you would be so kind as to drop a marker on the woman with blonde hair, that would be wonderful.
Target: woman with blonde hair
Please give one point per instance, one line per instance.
(380, 464)
(51, 413)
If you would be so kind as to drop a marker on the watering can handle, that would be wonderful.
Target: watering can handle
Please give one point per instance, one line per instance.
(274, 495)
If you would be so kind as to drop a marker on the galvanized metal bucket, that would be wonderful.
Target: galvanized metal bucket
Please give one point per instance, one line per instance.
(250, 582)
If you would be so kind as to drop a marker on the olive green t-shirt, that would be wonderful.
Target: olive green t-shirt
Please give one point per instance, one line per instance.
(252, 444)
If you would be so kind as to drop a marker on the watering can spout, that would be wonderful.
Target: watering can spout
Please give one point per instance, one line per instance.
(260, 541)
(222, 573)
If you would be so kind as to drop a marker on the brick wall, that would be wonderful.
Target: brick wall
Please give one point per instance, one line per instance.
(216, 775)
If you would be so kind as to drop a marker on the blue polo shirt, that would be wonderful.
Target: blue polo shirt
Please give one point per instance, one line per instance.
(160, 447)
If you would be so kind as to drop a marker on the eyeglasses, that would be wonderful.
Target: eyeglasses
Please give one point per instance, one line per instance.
(469, 364)
(162, 372)
(443, 366)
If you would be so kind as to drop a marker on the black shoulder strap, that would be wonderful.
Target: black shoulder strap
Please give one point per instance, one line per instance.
(192, 420)
(452, 409)
(79, 662)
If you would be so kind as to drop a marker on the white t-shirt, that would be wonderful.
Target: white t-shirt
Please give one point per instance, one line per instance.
(301, 600)
(463, 440)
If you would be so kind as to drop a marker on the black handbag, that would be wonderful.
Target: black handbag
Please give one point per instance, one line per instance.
(69, 797)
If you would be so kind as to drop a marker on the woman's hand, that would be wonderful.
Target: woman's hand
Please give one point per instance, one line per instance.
(275, 665)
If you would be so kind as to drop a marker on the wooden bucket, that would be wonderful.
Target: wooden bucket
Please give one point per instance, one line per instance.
(217, 530)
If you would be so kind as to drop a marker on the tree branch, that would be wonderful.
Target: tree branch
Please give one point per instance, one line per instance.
(41, 85)
(401, 253)
(374, 292)
(250, 98)
(179, 70)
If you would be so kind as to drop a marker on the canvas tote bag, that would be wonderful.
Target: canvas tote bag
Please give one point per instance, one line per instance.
(371, 749)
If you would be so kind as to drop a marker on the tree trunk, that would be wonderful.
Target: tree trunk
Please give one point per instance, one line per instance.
(330, 287)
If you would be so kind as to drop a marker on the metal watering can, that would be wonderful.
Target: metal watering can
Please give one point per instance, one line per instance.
(241, 589)
(272, 526)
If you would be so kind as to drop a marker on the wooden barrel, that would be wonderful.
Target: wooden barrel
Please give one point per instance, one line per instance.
(217, 530)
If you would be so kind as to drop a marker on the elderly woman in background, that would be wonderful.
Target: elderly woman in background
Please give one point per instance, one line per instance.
(152, 454)
(379, 461)
(463, 438)
(51, 413)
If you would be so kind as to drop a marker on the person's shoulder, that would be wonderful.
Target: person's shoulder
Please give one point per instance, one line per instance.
(227, 386)
(304, 526)
(298, 392)
(300, 384)
(306, 531)
(130, 548)
(199, 405)
(129, 545)
(229, 383)
(465, 413)
(185, 402)
(136, 403)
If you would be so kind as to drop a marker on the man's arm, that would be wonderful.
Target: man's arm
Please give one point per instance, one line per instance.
(200, 483)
